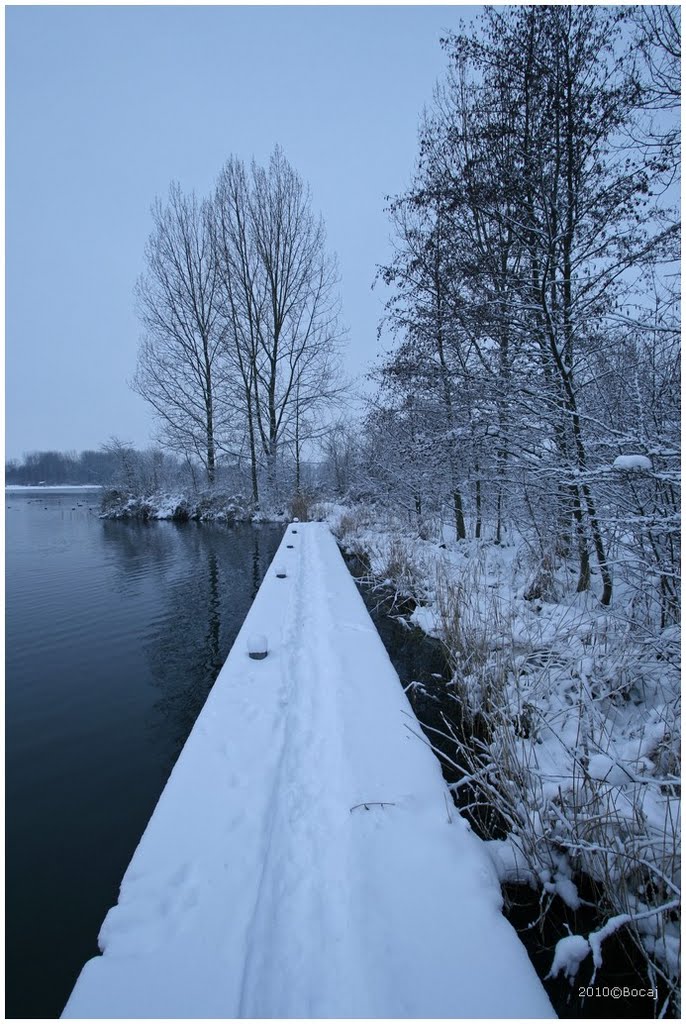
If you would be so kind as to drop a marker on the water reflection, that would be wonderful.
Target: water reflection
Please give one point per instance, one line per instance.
(257, 570)
(115, 635)
(138, 551)
(207, 577)
(214, 616)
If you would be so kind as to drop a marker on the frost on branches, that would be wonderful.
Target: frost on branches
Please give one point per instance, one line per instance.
(519, 465)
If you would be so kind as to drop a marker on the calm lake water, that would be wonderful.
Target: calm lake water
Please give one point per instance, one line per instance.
(115, 633)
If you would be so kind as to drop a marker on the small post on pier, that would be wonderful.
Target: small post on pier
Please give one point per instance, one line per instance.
(257, 646)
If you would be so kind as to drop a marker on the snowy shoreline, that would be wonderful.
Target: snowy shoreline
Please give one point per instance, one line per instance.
(41, 488)
(181, 507)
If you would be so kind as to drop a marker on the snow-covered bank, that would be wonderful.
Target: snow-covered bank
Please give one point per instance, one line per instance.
(40, 488)
(210, 506)
(304, 859)
(576, 707)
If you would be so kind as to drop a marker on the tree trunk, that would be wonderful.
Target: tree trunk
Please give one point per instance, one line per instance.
(459, 516)
(447, 398)
(477, 501)
(253, 456)
(297, 445)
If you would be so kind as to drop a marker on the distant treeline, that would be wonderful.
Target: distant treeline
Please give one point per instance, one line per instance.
(144, 472)
(88, 467)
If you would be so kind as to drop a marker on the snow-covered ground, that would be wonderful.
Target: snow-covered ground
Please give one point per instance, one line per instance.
(40, 488)
(305, 859)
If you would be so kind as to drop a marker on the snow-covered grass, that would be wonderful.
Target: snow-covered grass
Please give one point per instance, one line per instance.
(572, 713)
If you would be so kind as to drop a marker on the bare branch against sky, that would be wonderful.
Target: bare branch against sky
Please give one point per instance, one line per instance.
(107, 105)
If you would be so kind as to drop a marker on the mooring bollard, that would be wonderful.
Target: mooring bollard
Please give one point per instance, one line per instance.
(280, 573)
(289, 545)
(257, 646)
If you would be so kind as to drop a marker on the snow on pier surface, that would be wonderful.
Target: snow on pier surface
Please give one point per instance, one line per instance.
(301, 861)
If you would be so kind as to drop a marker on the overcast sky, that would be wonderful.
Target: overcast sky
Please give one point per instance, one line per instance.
(106, 105)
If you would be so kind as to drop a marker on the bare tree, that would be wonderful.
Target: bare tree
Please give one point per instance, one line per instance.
(341, 447)
(532, 226)
(281, 307)
(659, 44)
(243, 299)
(180, 366)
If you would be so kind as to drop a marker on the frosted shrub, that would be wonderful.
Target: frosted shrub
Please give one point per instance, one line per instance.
(345, 526)
(583, 784)
(349, 523)
(471, 618)
(124, 505)
(301, 506)
(543, 585)
(400, 568)
(229, 508)
(429, 528)
(113, 500)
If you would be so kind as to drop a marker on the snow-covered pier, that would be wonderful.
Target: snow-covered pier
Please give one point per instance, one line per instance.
(304, 859)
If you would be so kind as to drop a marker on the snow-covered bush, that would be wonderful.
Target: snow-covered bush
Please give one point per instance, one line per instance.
(580, 756)
(209, 506)
(400, 569)
(301, 506)
(118, 504)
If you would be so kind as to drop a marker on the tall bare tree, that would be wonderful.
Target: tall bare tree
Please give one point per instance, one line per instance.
(243, 300)
(282, 308)
(181, 369)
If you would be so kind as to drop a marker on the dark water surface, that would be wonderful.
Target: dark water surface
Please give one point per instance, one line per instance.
(115, 633)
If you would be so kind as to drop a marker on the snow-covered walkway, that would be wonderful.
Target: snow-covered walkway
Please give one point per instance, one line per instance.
(300, 861)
